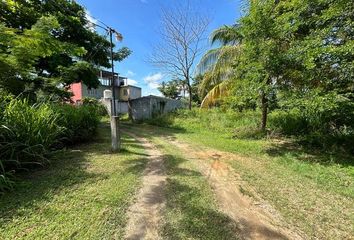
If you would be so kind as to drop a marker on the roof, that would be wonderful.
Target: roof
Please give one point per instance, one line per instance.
(108, 75)
(153, 96)
(124, 86)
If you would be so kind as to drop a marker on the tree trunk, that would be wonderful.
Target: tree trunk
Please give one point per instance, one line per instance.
(190, 96)
(264, 111)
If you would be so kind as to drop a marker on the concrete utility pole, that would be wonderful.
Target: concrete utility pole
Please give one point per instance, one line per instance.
(115, 133)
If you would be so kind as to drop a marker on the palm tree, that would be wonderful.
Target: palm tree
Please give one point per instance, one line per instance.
(217, 65)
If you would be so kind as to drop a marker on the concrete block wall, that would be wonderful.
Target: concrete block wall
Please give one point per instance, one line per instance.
(145, 107)
(152, 106)
(121, 107)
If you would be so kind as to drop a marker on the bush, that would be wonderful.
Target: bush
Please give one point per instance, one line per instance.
(80, 122)
(288, 122)
(318, 120)
(29, 133)
(97, 106)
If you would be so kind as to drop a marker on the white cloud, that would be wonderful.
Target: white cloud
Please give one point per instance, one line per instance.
(153, 80)
(132, 82)
(130, 73)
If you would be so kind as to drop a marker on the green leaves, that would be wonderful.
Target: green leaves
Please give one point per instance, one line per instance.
(80, 71)
(122, 54)
(43, 45)
(300, 51)
(171, 89)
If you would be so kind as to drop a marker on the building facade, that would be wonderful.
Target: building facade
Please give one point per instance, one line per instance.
(124, 92)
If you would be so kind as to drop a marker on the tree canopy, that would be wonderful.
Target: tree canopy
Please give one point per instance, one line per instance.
(282, 50)
(47, 45)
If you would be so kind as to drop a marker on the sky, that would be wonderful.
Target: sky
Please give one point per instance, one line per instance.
(139, 22)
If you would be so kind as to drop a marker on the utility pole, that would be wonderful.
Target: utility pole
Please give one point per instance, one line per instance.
(115, 133)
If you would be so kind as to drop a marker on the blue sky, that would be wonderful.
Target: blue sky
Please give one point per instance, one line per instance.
(139, 20)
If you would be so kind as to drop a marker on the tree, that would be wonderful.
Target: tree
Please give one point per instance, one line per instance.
(20, 52)
(170, 89)
(248, 58)
(182, 33)
(292, 46)
(59, 68)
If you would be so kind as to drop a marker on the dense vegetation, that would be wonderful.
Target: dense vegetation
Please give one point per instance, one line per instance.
(29, 133)
(44, 47)
(84, 194)
(292, 60)
(47, 45)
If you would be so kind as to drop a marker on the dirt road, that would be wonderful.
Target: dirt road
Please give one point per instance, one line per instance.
(255, 218)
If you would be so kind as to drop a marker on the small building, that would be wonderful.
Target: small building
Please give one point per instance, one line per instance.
(129, 92)
(123, 91)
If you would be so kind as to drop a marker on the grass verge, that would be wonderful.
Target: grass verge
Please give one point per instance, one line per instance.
(84, 194)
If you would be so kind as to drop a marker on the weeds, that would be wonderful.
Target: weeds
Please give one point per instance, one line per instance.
(30, 132)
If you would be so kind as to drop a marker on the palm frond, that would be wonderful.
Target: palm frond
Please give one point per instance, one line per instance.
(214, 95)
(227, 35)
(221, 70)
(207, 61)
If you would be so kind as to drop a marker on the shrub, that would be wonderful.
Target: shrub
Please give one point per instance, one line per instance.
(97, 106)
(290, 122)
(29, 133)
(80, 122)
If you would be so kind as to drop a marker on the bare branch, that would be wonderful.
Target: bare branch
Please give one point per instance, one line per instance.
(182, 32)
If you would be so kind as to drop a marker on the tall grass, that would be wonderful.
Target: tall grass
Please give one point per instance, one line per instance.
(79, 123)
(30, 132)
(319, 129)
(230, 123)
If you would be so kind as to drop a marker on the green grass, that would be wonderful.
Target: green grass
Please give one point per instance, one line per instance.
(313, 190)
(83, 194)
(191, 210)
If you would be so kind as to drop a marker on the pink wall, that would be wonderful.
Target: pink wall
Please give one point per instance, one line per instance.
(76, 89)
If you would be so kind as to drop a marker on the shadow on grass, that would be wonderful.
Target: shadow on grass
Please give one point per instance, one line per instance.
(68, 169)
(193, 220)
(191, 214)
(153, 130)
(309, 155)
(299, 151)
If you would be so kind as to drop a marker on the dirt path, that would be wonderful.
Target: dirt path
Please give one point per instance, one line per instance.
(255, 218)
(145, 214)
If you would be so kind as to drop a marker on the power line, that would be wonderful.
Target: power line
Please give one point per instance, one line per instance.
(114, 119)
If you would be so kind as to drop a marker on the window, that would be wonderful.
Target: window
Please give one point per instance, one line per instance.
(125, 92)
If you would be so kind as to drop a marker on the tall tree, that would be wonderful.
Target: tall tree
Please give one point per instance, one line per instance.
(182, 34)
(284, 45)
(59, 67)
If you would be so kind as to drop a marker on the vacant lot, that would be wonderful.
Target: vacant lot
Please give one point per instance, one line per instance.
(313, 192)
(215, 187)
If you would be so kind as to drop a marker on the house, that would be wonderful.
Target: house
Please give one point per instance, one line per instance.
(123, 93)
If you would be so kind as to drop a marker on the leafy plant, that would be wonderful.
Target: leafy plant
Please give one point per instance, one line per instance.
(29, 133)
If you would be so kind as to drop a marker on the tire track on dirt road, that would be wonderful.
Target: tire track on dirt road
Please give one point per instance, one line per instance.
(145, 215)
(255, 218)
